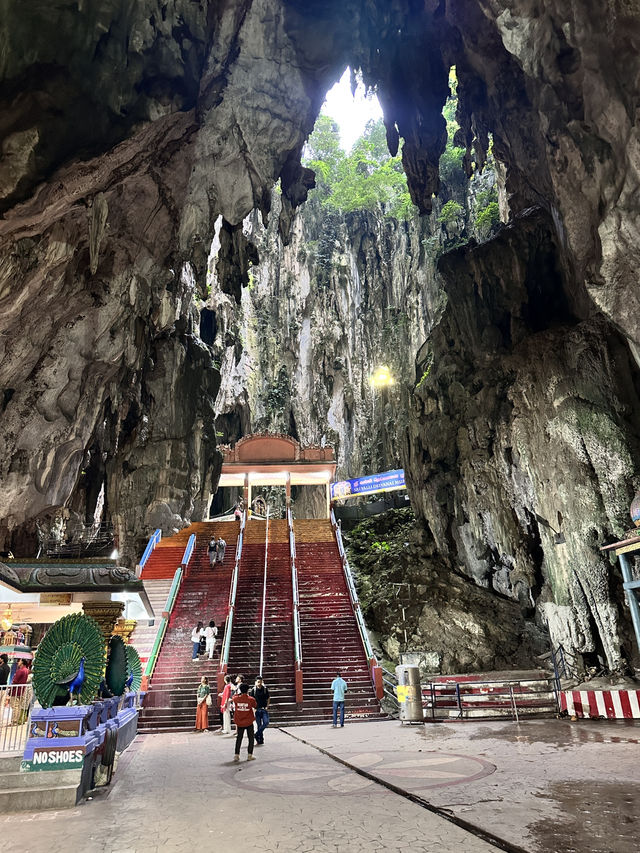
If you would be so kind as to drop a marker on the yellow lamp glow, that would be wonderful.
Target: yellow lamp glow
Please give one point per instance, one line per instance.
(7, 620)
(382, 377)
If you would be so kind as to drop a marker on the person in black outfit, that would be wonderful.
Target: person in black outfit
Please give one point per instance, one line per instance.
(5, 669)
(261, 694)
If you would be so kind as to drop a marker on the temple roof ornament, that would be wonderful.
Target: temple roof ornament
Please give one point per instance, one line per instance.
(275, 448)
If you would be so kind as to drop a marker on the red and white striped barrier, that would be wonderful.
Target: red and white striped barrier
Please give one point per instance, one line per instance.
(612, 704)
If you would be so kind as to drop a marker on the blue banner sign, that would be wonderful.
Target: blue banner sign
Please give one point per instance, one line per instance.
(387, 482)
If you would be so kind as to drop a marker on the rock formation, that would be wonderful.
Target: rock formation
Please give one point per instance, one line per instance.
(129, 131)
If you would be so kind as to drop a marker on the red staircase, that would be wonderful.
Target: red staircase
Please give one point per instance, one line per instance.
(244, 652)
(170, 704)
(329, 632)
(330, 636)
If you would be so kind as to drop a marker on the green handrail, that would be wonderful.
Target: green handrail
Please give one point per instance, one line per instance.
(164, 623)
(173, 591)
(151, 663)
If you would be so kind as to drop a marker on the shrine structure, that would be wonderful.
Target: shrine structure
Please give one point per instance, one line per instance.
(276, 460)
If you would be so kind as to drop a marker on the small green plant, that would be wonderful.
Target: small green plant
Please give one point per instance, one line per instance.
(450, 212)
(488, 217)
(426, 372)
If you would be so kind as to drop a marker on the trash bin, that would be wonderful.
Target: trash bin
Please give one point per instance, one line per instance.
(409, 693)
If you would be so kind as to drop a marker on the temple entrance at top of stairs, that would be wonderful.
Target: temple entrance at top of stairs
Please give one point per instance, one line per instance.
(260, 463)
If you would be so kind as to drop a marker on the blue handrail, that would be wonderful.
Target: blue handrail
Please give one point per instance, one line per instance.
(151, 544)
(188, 551)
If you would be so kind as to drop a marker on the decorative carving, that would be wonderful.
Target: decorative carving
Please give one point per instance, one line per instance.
(34, 577)
(67, 575)
(106, 614)
(124, 628)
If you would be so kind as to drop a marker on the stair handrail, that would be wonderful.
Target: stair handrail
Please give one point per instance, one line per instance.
(390, 685)
(155, 537)
(162, 627)
(188, 551)
(231, 606)
(264, 591)
(173, 591)
(355, 603)
(297, 641)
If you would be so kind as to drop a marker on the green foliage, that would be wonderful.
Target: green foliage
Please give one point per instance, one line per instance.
(451, 160)
(488, 216)
(450, 212)
(375, 548)
(362, 180)
(485, 213)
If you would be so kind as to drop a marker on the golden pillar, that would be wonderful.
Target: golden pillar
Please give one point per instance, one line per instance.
(106, 614)
(124, 628)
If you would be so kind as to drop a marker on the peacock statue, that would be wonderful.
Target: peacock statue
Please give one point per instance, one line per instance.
(69, 661)
(117, 670)
(134, 665)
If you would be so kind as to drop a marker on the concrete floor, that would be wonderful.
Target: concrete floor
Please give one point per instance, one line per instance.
(542, 786)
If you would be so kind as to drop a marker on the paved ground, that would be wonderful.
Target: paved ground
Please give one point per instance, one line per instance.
(542, 786)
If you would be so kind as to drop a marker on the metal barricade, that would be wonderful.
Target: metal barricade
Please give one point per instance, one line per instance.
(16, 701)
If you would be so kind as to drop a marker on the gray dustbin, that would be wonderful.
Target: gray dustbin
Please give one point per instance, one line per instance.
(409, 693)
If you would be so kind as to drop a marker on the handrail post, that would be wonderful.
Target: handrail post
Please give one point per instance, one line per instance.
(513, 704)
(459, 699)
(264, 592)
(297, 640)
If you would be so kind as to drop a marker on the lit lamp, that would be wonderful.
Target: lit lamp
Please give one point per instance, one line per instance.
(382, 377)
(7, 620)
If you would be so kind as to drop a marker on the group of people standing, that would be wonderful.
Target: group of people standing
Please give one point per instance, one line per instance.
(204, 640)
(248, 706)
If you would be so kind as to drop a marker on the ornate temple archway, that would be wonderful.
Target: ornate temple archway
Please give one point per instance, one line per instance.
(276, 460)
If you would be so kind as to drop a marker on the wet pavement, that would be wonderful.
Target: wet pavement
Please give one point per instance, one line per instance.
(555, 785)
(543, 786)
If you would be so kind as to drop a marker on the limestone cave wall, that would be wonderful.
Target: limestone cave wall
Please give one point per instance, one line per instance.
(129, 130)
(347, 294)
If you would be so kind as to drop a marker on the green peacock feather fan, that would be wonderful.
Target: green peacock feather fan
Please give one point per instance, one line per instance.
(71, 643)
(134, 667)
(117, 671)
